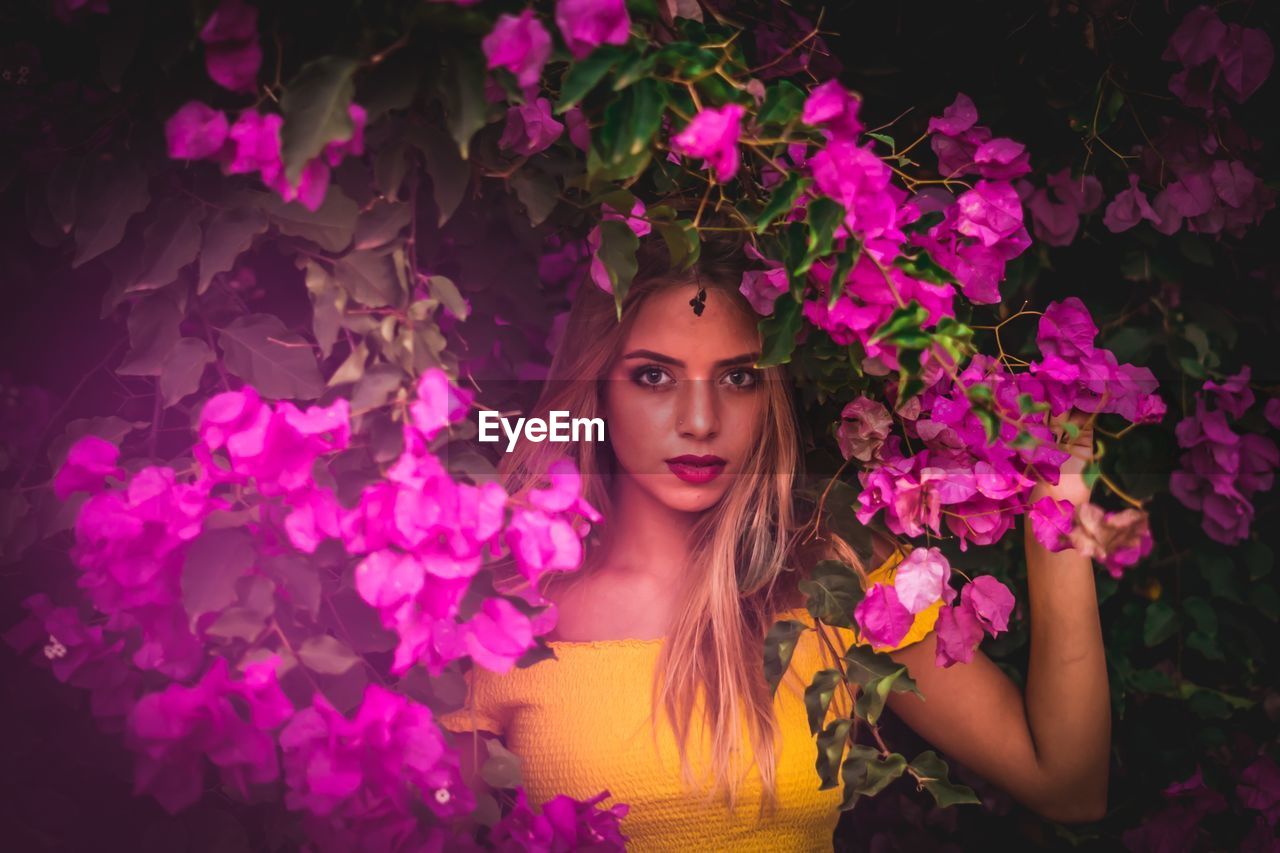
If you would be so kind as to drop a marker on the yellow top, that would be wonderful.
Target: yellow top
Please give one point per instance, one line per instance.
(580, 724)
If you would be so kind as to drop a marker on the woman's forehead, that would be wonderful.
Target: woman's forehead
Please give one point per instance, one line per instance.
(667, 323)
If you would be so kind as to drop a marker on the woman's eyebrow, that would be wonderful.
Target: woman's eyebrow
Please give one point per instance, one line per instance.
(745, 358)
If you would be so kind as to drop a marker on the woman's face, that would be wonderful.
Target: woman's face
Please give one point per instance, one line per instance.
(683, 386)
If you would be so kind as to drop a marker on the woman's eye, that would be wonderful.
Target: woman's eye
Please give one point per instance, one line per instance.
(742, 378)
(650, 377)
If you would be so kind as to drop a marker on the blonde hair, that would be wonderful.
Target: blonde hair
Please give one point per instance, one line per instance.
(745, 556)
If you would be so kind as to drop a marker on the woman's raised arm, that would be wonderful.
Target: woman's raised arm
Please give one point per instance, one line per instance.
(1048, 747)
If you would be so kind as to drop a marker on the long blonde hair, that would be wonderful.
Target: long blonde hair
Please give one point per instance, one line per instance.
(745, 556)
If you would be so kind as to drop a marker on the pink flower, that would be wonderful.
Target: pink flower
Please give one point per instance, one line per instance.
(955, 119)
(882, 618)
(565, 824)
(232, 53)
(991, 212)
(498, 635)
(1246, 56)
(1051, 522)
(579, 130)
(864, 425)
(1129, 208)
(439, 403)
(530, 128)
(1271, 411)
(1066, 330)
(585, 24)
(921, 578)
(763, 287)
(89, 461)
(959, 632)
(195, 131)
(990, 601)
(713, 136)
(519, 44)
(832, 105)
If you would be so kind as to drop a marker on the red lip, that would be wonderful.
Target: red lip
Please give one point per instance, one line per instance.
(696, 469)
(689, 459)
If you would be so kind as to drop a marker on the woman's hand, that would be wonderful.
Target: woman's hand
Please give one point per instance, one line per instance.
(1071, 485)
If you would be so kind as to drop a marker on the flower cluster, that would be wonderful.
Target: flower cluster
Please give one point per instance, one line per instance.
(1221, 469)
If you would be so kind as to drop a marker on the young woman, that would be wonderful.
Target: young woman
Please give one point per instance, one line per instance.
(660, 636)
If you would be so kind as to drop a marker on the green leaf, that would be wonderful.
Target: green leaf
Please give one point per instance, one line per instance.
(247, 619)
(866, 773)
(682, 242)
(783, 101)
(213, 562)
(933, 776)
(444, 290)
(779, 646)
(330, 226)
(277, 362)
(170, 242)
(153, 332)
(875, 691)
(822, 215)
(461, 90)
(315, 107)
(370, 279)
(110, 194)
(903, 327)
(228, 234)
(630, 122)
(885, 138)
(450, 174)
(1161, 623)
(183, 369)
(502, 768)
(779, 331)
(845, 262)
(830, 749)
(833, 592)
(618, 245)
(379, 224)
(782, 200)
(327, 655)
(537, 191)
(818, 695)
(584, 74)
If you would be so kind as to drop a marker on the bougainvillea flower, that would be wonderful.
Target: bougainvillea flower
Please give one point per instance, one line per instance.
(1128, 208)
(586, 24)
(713, 136)
(991, 212)
(990, 601)
(565, 824)
(1051, 522)
(520, 44)
(833, 106)
(921, 578)
(232, 52)
(530, 128)
(498, 635)
(89, 462)
(959, 632)
(195, 131)
(1115, 539)
(881, 617)
(864, 425)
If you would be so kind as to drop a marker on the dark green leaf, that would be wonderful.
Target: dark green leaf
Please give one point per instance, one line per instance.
(618, 245)
(182, 370)
(866, 773)
(830, 749)
(537, 191)
(315, 105)
(461, 90)
(779, 646)
(502, 768)
(213, 562)
(450, 174)
(779, 331)
(153, 332)
(782, 200)
(817, 697)
(833, 592)
(584, 74)
(277, 362)
(933, 776)
(110, 194)
(783, 101)
(327, 655)
(370, 278)
(331, 226)
(170, 243)
(228, 233)
(1161, 623)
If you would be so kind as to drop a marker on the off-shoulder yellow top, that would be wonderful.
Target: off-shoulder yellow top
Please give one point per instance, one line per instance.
(580, 725)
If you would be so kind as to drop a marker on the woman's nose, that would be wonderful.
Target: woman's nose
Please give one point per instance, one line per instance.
(697, 416)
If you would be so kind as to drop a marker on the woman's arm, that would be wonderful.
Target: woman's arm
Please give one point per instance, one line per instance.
(1049, 748)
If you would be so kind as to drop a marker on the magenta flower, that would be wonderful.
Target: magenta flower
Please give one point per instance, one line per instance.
(1128, 208)
(713, 136)
(921, 578)
(586, 24)
(1051, 522)
(565, 824)
(195, 131)
(833, 106)
(763, 287)
(530, 128)
(89, 461)
(519, 44)
(498, 635)
(958, 634)
(990, 601)
(1271, 411)
(991, 212)
(881, 617)
(864, 425)
(232, 53)
(439, 403)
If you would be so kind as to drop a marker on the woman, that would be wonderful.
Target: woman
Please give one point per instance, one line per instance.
(700, 553)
